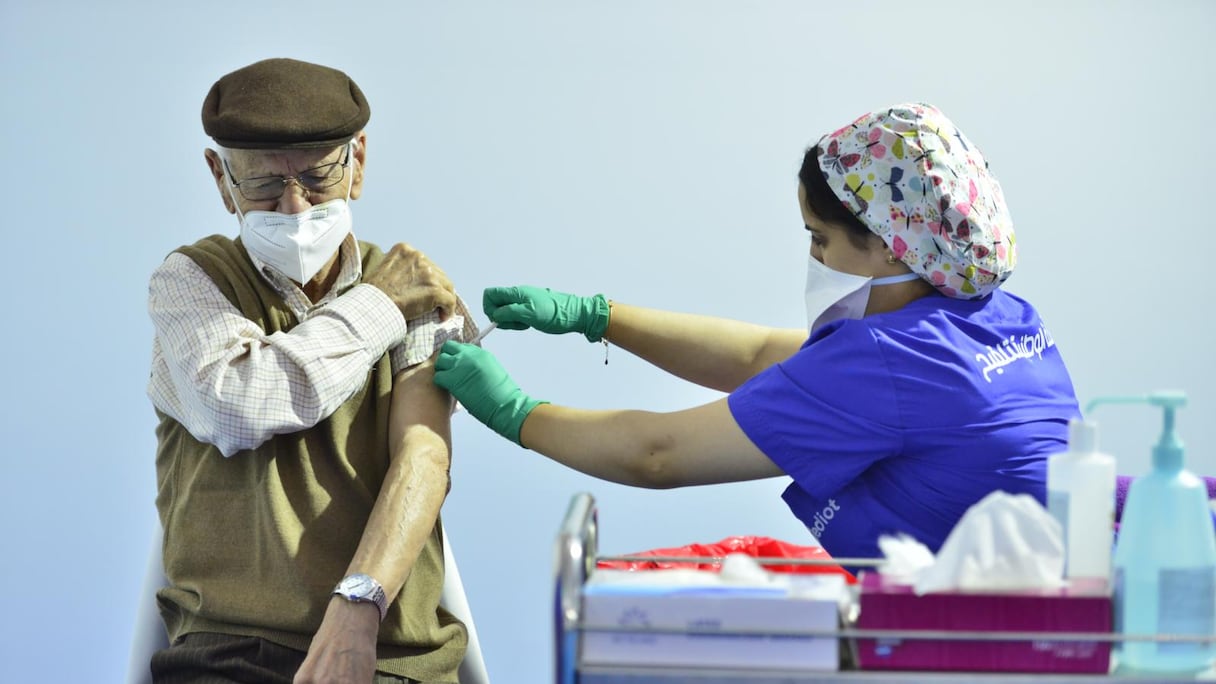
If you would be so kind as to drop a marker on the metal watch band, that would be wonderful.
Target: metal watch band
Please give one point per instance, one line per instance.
(361, 588)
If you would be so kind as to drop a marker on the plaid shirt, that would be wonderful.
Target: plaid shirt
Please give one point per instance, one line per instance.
(232, 385)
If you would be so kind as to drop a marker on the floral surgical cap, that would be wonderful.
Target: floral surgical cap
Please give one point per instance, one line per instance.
(917, 182)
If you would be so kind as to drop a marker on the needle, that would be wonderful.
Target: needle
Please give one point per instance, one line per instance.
(484, 331)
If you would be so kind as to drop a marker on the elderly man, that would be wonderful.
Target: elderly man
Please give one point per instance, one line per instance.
(303, 451)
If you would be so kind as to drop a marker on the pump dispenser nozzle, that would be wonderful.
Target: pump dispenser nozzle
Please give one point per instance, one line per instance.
(1169, 450)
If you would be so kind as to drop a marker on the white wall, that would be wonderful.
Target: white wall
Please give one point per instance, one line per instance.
(646, 150)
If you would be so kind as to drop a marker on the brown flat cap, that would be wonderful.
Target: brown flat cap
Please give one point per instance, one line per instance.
(284, 104)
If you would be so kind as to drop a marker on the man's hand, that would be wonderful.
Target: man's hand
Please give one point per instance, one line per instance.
(415, 284)
(344, 648)
(476, 379)
(522, 307)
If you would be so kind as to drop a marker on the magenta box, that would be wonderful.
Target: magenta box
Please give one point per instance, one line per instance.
(1082, 606)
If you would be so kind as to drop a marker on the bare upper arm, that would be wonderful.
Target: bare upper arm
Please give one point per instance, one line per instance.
(782, 343)
(420, 409)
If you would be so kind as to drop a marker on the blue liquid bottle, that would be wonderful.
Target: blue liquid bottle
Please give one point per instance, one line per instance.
(1165, 559)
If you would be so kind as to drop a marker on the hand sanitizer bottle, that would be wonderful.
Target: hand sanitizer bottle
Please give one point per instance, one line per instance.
(1081, 497)
(1165, 560)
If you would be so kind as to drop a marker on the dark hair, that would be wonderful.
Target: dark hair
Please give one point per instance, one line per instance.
(825, 204)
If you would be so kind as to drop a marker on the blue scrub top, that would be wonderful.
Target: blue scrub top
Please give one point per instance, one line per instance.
(899, 422)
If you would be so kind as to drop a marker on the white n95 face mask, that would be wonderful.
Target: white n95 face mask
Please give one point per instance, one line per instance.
(833, 295)
(297, 245)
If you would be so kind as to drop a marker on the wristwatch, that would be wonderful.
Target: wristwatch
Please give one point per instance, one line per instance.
(362, 588)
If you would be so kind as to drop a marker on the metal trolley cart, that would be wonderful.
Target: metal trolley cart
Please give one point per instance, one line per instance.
(576, 556)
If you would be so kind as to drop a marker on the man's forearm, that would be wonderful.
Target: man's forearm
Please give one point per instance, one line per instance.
(405, 511)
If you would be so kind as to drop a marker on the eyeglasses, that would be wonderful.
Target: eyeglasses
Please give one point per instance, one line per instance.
(316, 179)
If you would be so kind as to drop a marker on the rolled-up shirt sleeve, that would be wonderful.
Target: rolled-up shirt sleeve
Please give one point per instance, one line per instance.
(427, 334)
(233, 385)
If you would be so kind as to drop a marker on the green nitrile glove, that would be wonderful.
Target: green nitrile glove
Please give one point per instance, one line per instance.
(482, 385)
(523, 307)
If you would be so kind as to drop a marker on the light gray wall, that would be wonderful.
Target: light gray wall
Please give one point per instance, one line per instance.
(646, 150)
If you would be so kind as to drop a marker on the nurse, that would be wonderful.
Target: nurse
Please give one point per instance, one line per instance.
(921, 387)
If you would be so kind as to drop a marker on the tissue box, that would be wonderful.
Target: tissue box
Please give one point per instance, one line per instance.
(720, 611)
(1082, 606)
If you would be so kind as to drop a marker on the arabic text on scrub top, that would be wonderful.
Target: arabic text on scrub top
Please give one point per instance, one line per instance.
(1013, 349)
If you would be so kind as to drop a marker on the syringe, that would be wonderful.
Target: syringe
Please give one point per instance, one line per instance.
(484, 331)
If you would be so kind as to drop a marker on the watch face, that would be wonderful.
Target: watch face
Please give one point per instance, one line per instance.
(362, 588)
(357, 585)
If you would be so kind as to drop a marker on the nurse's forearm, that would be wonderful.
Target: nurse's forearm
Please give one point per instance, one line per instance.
(697, 446)
(716, 353)
(611, 445)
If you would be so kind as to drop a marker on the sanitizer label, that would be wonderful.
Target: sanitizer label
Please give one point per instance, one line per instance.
(1186, 604)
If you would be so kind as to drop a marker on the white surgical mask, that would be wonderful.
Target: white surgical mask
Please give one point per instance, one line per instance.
(833, 295)
(296, 245)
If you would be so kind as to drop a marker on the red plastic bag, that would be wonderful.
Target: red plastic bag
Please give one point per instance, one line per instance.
(756, 547)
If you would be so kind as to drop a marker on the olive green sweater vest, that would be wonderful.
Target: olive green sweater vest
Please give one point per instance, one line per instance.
(255, 543)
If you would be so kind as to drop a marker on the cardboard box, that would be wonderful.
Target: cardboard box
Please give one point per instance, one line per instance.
(1082, 606)
(768, 618)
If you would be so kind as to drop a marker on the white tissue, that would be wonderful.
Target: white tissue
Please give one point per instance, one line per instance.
(739, 576)
(739, 572)
(740, 568)
(1003, 542)
(905, 557)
